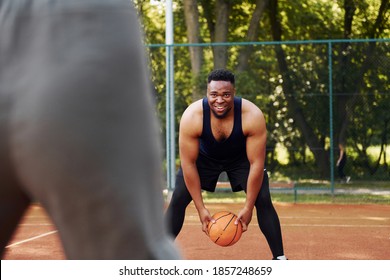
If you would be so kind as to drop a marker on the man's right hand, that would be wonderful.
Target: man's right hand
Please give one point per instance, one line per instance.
(205, 219)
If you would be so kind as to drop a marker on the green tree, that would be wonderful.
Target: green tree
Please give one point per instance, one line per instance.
(288, 81)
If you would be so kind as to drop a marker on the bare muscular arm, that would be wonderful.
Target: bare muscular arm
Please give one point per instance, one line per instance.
(190, 130)
(254, 127)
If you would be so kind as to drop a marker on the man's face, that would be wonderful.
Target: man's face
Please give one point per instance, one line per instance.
(220, 95)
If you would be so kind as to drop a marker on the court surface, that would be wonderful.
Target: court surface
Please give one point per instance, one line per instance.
(310, 232)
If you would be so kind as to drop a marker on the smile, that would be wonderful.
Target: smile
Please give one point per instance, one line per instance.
(219, 108)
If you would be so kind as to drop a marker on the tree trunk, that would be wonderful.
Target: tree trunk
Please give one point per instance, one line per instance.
(315, 146)
(377, 28)
(208, 14)
(222, 9)
(343, 86)
(191, 15)
(251, 35)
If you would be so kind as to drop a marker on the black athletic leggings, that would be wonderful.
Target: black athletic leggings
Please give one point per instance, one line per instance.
(267, 217)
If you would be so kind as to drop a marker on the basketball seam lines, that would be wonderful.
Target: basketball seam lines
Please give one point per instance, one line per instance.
(234, 233)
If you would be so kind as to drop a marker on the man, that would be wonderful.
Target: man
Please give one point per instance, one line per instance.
(341, 162)
(224, 133)
(78, 130)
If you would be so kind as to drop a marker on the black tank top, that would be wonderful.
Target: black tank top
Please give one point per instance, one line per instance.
(229, 149)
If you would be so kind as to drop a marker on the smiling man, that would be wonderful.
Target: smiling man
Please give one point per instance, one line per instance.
(224, 133)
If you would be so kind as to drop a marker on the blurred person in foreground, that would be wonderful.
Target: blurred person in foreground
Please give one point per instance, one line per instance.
(78, 128)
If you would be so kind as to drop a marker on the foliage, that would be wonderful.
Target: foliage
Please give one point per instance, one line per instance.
(359, 83)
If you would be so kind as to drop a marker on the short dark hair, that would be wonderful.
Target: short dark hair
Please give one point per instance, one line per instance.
(221, 75)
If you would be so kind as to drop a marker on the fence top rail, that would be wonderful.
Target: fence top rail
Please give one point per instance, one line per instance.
(326, 41)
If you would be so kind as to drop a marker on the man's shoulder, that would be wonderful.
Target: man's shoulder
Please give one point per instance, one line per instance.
(249, 107)
(252, 117)
(194, 107)
(197, 103)
(194, 113)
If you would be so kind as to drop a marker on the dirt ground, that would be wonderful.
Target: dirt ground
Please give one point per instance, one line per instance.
(310, 232)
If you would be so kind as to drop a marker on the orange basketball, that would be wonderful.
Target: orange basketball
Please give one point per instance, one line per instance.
(224, 232)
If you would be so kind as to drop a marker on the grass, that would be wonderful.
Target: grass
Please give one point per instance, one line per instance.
(337, 198)
(226, 197)
(311, 196)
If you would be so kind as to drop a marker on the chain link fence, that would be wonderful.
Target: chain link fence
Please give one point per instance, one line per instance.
(315, 95)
